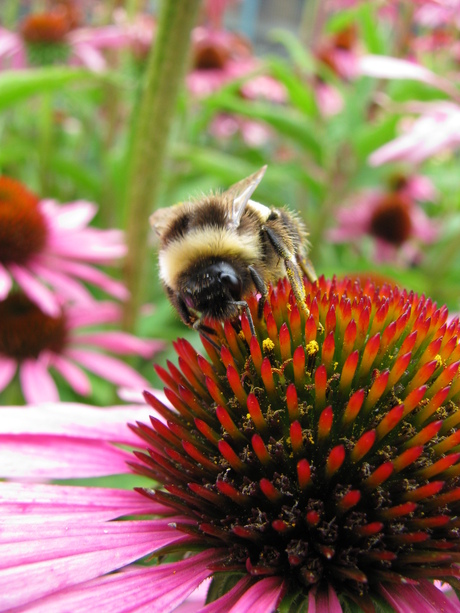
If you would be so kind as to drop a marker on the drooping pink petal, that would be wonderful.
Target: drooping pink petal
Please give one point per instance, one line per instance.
(74, 375)
(92, 275)
(5, 282)
(36, 383)
(423, 597)
(7, 371)
(322, 601)
(121, 342)
(69, 419)
(33, 503)
(157, 589)
(89, 56)
(81, 553)
(110, 368)
(9, 43)
(68, 217)
(104, 37)
(35, 290)
(106, 313)
(63, 284)
(60, 457)
(90, 244)
(229, 599)
(262, 597)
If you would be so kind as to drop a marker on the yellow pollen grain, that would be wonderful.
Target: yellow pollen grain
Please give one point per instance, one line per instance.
(312, 348)
(438, 359)
(268, 345)
(241, 335)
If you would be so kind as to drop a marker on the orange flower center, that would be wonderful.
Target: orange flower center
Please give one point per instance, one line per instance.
(391, 220)
(50, 27)
(23, 230)
(210, 56)
(25, 331)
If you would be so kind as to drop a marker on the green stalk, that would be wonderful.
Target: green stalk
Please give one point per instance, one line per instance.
(46, 131)
(156, 111)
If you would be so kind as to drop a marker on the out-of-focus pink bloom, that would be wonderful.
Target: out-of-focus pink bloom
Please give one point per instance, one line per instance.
(435, 131)
(219, 57)
(44, 244)
(328, 99)
(253, 133)
(393, 219)
(436, 13)
(52, 37)
(36, 344)
(338, 53)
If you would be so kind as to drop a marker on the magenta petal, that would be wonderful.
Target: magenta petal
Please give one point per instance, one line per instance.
(68, 217)
(75, 377)
(7, 371)
(36, 383)
(70, 419)
(64, 285)
(81, 554)
(35, 290)
(262, 597)
(324, 601)
(225, 602)
(80, 316)
(34, 503)
(94, 276)
(5, 282)
(157, 589)
(424, 597)
(60, 457)
(109, 368)
(121, 342)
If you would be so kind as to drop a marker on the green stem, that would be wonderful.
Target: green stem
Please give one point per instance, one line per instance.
(9, 14)
(45, 142)
(312, 22)
(156, 111)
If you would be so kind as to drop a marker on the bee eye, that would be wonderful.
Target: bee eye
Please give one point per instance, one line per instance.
(232, 283)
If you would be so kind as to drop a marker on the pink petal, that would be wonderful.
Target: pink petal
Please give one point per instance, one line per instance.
(72, 216)
(7, 371)
(109, 368)
(262, 597)
(121, 342)
(93, 276)
(103, 37)
(424, 597)
(80, 316)
(5, 282)
(229, 599)
(33, 503)
(157, 589)
(37, 292)
(324, 602)
(79, 555)
(63, 284)
(74, 376)
(69, 419)
(36, 383)
(90, 57)
(90, 245)
(60, 457)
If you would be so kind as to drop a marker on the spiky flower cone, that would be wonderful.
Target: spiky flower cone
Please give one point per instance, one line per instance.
(324, 451)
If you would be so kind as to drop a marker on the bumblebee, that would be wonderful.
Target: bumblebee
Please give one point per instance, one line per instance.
(217, 250)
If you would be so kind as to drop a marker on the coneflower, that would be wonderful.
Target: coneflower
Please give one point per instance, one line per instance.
(312, 467)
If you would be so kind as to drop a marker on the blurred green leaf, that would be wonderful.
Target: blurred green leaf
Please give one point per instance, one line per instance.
(18, 85)
(300, 92)
(297, 51)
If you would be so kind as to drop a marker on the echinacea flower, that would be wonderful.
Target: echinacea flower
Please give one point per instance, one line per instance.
(34, 343)
(393, 218)
(43, 245)
(311, 467)
(52, 37)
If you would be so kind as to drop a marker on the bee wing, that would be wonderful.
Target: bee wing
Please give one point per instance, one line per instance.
(160, 220)
(240, 193)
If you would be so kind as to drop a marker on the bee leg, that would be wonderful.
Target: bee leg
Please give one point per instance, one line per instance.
(307, 268)
(243, 305)
(206, 331)
(260, 287)
(293, 270)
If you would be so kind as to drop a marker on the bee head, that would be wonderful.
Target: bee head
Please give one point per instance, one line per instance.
(212, 289)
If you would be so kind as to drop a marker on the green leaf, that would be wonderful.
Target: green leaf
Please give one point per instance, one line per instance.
(300, 92)
(18, 85)
(295, 48)
(221, 584)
